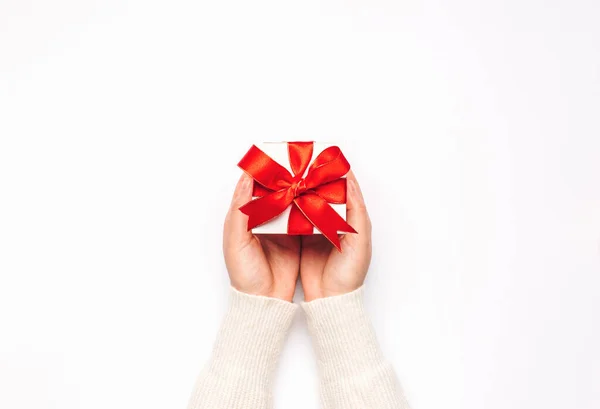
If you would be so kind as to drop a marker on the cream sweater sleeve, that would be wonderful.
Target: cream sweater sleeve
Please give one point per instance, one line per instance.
(354, 374)
(239, 372)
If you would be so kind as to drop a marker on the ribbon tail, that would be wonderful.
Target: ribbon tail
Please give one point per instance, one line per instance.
(323, 217)
(266, 208)
(259, 190)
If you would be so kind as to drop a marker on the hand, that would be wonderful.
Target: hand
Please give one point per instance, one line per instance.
(267, 265)
(324, 271)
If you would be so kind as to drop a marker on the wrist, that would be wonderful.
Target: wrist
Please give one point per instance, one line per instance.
(325, 292)
(280, 292)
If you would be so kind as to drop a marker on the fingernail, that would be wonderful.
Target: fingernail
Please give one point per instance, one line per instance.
(357, 192)
(246, 181)
(351, 187)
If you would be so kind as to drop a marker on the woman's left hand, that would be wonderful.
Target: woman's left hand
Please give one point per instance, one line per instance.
(267, 265)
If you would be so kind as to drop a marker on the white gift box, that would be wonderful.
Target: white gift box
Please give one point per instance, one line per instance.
(278, 151)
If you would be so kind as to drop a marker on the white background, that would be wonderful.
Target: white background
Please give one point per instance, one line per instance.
(473, 128)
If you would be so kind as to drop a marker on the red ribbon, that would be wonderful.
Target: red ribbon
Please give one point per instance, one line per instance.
(310, 196)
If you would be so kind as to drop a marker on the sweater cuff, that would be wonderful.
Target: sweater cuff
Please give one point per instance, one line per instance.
(342, 334)
(245, 353)
(354, 374)
(253, 330)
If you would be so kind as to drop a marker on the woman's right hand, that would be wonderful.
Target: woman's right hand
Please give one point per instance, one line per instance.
(325, 271)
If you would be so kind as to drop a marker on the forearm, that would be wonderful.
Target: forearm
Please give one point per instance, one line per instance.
(239, 373)
(354, 374)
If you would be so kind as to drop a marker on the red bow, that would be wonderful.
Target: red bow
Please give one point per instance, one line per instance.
(310, 196)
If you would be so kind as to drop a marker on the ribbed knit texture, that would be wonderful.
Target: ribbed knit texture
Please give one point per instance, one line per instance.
(354, 374)
(239, 373)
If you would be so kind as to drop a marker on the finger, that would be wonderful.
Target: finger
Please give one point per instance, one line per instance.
(280, 241)
(315, 250)
(316, 241)
(236, 222)
(356, 210)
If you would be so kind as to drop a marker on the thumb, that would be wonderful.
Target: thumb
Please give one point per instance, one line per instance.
(236, 222)
(356, 210)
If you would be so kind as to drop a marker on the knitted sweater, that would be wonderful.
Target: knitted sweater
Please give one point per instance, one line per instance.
(353, 372)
